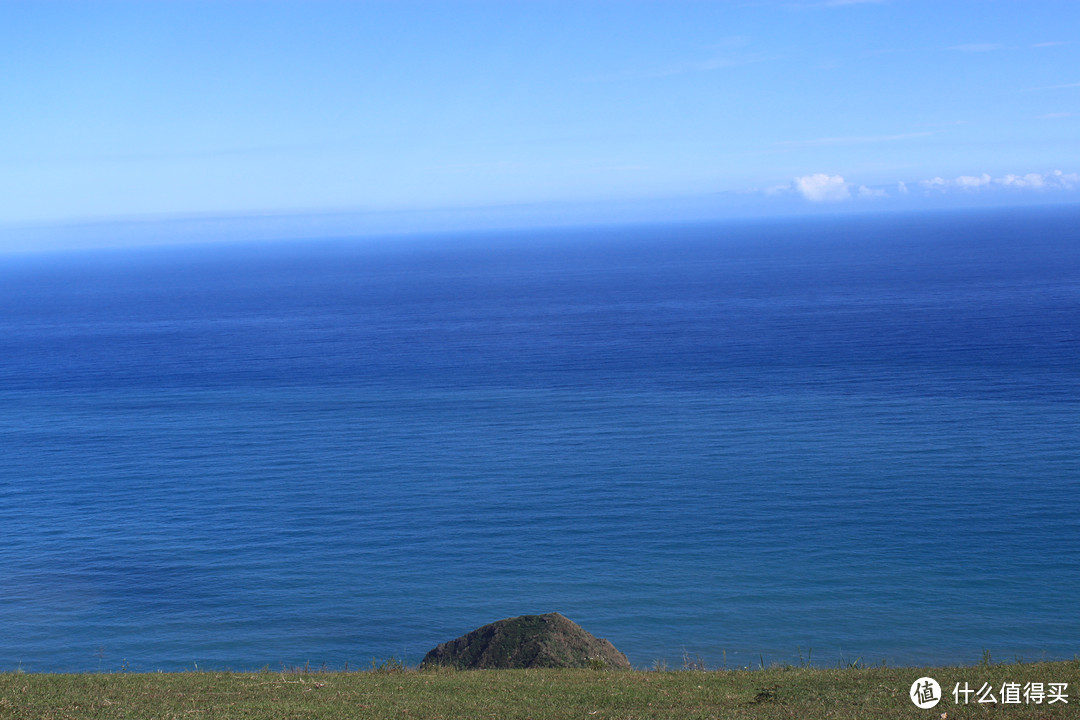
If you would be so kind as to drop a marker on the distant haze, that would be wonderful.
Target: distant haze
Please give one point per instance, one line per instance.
(442, 115)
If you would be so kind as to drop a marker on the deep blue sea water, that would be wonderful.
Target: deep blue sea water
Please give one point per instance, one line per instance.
(856, 435)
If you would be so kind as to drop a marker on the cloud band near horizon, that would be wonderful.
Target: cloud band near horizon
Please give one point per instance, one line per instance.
(825, 188)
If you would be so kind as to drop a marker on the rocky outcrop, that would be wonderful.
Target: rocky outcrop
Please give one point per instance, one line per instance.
(528, 641)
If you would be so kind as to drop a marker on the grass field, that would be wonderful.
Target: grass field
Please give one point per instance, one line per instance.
(788, 692)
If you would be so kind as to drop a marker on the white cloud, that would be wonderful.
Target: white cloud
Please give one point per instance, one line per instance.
(1056, 180)
(820, 187)
(1066, 181)
(1033, 181)
(825, 188)
(969, 182)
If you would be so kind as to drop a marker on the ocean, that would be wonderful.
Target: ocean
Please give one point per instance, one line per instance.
(848, 439)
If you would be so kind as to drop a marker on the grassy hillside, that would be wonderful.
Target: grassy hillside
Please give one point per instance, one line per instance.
(807, 693)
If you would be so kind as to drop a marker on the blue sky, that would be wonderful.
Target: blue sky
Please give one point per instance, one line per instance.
(166, 109)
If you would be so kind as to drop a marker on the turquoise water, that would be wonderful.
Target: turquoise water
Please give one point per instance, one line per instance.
(859, 435)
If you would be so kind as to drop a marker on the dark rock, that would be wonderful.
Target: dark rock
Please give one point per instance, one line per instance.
(528, 641)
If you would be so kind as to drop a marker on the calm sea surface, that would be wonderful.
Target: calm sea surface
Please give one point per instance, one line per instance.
(860, 436)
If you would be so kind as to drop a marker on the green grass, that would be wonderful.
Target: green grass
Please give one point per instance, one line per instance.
(779, 692)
